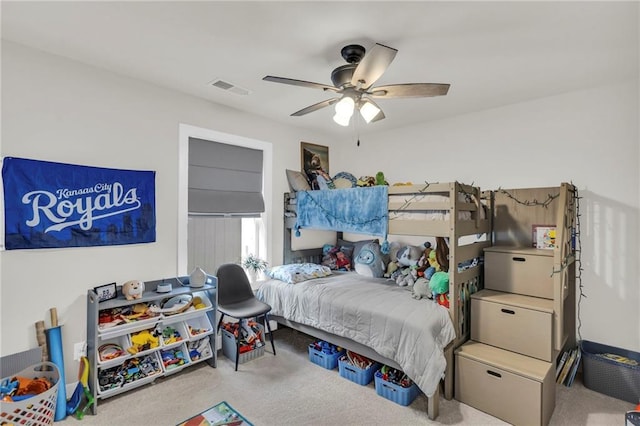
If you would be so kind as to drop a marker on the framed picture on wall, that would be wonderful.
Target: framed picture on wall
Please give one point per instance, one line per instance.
(314, 163)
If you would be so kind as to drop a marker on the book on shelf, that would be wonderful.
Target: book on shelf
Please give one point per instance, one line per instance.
(543, 236)
(563, 359)
(567, 367)
(574, 368)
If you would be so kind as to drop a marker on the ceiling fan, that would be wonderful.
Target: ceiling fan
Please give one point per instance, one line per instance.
(354, 81)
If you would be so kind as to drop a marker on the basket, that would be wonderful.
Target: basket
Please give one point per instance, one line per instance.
(356, 374)
(609, 377)
(324, 360)
(395, 393)
(39, 410)
(229, 347)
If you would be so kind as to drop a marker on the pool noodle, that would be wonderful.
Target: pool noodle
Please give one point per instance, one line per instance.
(54, 343)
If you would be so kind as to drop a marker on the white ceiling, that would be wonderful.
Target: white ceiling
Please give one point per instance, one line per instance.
(492, 53)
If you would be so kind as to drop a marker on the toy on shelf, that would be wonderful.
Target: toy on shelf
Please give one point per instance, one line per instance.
(133, 289)
(143, 341)
(173, 358)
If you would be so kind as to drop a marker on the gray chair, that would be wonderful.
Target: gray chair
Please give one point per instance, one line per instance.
(237, 300)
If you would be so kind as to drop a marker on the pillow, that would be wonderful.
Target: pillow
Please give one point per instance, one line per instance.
(297, 181)
(337, 257)
(296, 272)
(369, 261)
(357, 245)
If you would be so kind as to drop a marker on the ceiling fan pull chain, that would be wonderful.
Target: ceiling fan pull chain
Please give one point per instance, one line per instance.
(357, 129)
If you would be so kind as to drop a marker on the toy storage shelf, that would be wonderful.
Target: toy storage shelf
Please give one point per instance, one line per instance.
(151, 362)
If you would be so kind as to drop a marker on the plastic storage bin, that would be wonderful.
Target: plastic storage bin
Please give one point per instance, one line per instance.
(39, 410)
(356, 374)
(325, 360)
(610, 377)
(229, 347)
(395, 393)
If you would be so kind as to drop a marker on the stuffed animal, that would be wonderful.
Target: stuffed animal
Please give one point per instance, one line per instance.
(366, 181)
(342, 261)
(433, 261)
(369, 262)
(439, 285)
(423, 262)
(407, 277)
(408, 255)
(392, 267)
(133, 289)
(421, 289)
(380, 180)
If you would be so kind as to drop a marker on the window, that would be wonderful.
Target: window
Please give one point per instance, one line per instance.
(208, 241)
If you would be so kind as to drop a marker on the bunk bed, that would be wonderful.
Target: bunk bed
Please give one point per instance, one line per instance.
(455, 211)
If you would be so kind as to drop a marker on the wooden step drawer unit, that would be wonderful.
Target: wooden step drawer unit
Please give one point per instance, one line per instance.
(522, 324)
(515, 388)
(526, 271)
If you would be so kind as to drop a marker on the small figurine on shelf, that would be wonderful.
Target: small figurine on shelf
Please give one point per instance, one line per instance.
(133, 289)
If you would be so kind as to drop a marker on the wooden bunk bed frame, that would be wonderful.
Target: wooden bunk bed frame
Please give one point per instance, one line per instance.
(461, 283)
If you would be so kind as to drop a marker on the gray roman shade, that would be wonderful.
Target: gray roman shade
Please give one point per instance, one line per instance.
(224, 179)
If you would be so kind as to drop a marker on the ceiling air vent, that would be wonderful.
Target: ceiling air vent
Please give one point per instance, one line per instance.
(229, 87)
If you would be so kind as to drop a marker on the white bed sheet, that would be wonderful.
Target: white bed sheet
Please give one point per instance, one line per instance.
(374, 312)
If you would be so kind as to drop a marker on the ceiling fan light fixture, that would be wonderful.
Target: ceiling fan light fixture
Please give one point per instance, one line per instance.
(345, 106)
(342, 119)
(369, 111)
(344, 110)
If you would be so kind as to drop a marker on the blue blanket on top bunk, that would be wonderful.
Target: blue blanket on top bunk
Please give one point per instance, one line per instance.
(362, 210)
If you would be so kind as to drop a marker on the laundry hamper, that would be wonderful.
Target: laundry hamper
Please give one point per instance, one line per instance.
(39, 410)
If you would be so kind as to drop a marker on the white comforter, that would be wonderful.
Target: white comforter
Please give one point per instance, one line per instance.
(373, 312)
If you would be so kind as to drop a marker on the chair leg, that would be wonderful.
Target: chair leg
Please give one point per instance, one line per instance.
(220, 322)
(266, 321)
(238, 346)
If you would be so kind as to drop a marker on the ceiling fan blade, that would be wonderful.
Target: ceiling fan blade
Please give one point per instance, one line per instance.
(315, 107)
(302, 83)
(410, 90)
(373, 65)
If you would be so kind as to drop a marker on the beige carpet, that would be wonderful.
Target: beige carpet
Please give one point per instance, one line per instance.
(289, 390)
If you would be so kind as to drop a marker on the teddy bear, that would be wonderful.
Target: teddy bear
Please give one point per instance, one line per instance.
(421, 289)
(133, 289)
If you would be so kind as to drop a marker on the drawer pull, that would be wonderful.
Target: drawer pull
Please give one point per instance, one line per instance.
(493, 373)
(519, 259)
(508, 311)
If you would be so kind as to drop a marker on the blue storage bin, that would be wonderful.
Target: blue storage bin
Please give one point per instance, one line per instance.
(356, 374)
(395, 393)
(325, 360)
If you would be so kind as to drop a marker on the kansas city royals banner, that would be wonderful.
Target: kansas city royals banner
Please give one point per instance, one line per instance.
(64, 205)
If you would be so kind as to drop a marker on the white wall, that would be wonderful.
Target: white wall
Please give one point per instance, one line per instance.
(58, 110)
(588, 137)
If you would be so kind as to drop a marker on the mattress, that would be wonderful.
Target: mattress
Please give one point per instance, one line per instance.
(373, 312)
